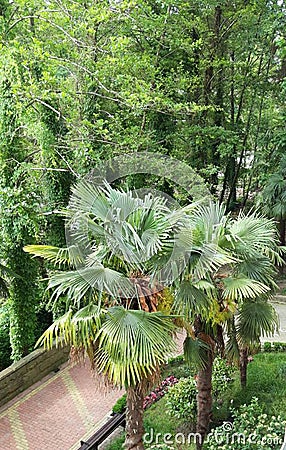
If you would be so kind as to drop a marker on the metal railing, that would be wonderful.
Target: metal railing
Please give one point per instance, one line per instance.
(104, 432)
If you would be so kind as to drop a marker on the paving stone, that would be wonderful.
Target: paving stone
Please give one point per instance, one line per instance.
(58, 412)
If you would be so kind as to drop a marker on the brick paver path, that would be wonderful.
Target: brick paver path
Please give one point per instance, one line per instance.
(58, 412)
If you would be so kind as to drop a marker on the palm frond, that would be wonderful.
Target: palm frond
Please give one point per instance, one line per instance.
(232, 343)
(60, 332)
(59, 256)
(196, 352)
(208, 258)
(257, 268)
(190, 301)
(241, 288)
(78, 330)
(132, 344)
(89, 198)
(253, 233)
(255, 320)
(78, 283)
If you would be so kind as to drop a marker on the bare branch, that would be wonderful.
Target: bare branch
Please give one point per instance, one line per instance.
(49, 169)
(67, 163)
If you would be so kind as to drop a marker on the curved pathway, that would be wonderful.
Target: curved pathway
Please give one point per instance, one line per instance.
(58, 412)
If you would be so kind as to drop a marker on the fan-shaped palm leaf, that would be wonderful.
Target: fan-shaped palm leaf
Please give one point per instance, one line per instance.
(88, 198)
(76, 284)
(241, 288)
(256, 319)
(252, 233)
(195, 352)
(257, 268)
(71, 256)
(208, 258)
(190, 300)
(132, 344)
(76, 329)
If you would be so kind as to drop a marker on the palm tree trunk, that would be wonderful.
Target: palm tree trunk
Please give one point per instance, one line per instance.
(243, 361)
(134, 418)
(204, 399)
(282, 230)
(220, 341)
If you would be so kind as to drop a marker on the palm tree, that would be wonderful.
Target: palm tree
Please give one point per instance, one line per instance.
(122, 251)
(273, 198)
(119, 252)
(256, 246)
(256, 318)
(221, 298)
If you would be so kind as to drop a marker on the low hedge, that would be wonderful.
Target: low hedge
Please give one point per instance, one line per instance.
(274, 347)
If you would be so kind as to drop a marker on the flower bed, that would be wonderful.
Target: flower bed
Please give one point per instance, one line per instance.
(153, 397)
(160, 391)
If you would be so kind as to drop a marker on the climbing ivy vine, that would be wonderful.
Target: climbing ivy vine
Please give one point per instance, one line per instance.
(18, 215)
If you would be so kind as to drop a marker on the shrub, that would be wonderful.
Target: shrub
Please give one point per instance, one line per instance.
(267, 347)
(182, 399)
(5, 347)
(120, 405)
(277, 347)
(250, 430)
(221, 376)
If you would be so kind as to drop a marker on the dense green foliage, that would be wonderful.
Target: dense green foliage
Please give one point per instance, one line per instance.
(120, 405)
(251, 429)
(262, 372)
(84, 81)
(182, 397)
(202, 81)
(257, 416)
(18, 207)
(5, 348)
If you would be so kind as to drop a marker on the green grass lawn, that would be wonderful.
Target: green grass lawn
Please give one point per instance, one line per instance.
(266, 381)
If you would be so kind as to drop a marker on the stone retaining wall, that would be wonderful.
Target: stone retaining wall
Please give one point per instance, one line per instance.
(30, 369)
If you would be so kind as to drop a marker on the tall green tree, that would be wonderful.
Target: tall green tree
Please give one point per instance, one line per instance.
(187, 80)
(18, 219)
(210, 299)
(117, 245)
(273, 198)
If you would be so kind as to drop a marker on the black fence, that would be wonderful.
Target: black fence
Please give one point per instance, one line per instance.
(104, 432)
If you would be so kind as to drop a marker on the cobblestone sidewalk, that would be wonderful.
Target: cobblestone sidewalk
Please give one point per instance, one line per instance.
(58, 412)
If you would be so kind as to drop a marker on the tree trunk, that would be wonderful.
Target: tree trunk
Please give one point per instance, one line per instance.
(134, 418)
(220, 341)
(243, 361)
(282, 229)
(204, 399)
